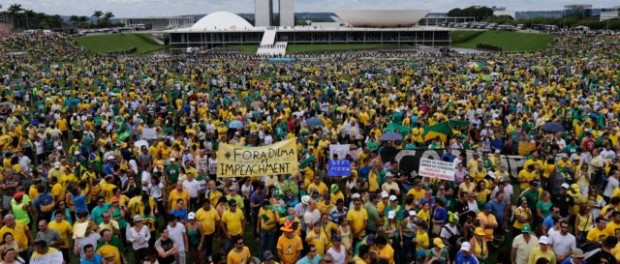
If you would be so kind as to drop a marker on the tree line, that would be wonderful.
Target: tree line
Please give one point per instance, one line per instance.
(483, 13)
(22, 18)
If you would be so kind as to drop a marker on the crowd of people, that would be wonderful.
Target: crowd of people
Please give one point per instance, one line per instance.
(112, 159)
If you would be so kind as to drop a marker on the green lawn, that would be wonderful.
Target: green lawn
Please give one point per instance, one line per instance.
(118, 42)
(509, 41)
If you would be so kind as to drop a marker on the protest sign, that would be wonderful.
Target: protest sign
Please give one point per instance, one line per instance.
(149, 133)
(436, 169)
(339, 168)
(340, 150)
(276, 159)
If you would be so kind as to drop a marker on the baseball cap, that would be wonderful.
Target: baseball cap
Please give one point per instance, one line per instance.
(544, 240)
(565, 185)
(191, 216)
(577, 253)
(465, 246)
(438, 243)
(526, 229)
(137, 218)
(385, 194)
(393, 198)
(391, 215)
(356, 196)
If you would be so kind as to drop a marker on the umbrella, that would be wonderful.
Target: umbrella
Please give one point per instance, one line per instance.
(392, 136)
(552, 127)
(314, 122)
(236, 124)
(140, 143)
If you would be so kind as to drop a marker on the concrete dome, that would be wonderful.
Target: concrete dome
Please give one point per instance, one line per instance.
(221, 20)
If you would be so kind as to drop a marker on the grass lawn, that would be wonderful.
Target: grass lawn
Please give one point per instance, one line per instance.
(509, 41)
(118, 42)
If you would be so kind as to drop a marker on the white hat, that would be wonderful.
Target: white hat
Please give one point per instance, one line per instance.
(305, 199)
(465, 246)
(391, 215)
(544, 240)
(172, 159)
(497, 151)
(393, 198)
(385, 194)
(356, 196)
(191, 216)
(491, 174)
(111, 157)
(565, 186)
(389, 174)
(77, 152)
(57, 165)
(413, 213)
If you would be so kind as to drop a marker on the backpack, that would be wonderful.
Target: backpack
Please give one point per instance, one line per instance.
(48, 208)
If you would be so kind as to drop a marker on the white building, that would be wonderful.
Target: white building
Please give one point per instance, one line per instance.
(607, 14)
(158, 23)
(287, 13)
(263, 13)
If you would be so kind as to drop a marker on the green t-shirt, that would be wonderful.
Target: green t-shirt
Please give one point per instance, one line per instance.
(19, 212)
(173, 173)
(532, 198)
(545, 208)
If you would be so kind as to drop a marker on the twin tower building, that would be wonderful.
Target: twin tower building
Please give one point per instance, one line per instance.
(264, 13)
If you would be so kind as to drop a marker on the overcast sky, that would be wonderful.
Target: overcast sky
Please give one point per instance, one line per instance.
(138, 8)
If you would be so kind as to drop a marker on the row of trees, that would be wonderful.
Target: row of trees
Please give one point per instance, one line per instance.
(485, 14)
(28, 19)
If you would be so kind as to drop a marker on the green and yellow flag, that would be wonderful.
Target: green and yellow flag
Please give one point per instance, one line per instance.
(441, 130)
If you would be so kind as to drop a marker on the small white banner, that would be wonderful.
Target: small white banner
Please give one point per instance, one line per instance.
(438, 169)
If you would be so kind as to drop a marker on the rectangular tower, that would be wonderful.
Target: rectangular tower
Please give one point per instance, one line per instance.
(263, 13)
(287, 13)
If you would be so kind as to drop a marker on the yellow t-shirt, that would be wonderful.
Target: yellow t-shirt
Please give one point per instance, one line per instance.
(319, 241)
(110, 253)
(613, 229)
(58, 192)
(417, 194)
(233, 221)
(19, 233)
(65, 229)
(290, 248)
(239, 257)
(536, 254)
(268, 219)
(176, 195)
(387, 252)
(423, 240)
(357, 219)
(525, 176)
(108, 191)
(596, 235)
(36, 255)
(208, 219)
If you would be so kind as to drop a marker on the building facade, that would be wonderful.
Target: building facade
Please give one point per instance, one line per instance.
(158, 23)
(263, 13)
(287, 13)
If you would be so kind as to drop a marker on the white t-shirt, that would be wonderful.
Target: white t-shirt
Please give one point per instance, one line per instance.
(146, 179)
(310, 217)
(612, 183)
(339, 257)
(562, 244)
(176, 234)
(192, 187)
(523, 248)
(156, 190)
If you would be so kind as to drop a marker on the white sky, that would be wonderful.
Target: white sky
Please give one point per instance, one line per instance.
(139, 8)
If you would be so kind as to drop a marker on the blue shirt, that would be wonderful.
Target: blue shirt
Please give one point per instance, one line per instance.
(548, 222)
(79, 203)
(43, 199)
(97, 259)
(568, 261)
(465, 259)
(180, 214)
(305, 260)
(498, 210)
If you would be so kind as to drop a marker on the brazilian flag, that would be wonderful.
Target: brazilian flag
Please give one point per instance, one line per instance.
(124, 135)
(441, 130)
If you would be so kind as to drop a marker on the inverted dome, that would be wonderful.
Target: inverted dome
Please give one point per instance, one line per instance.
(221, 20)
